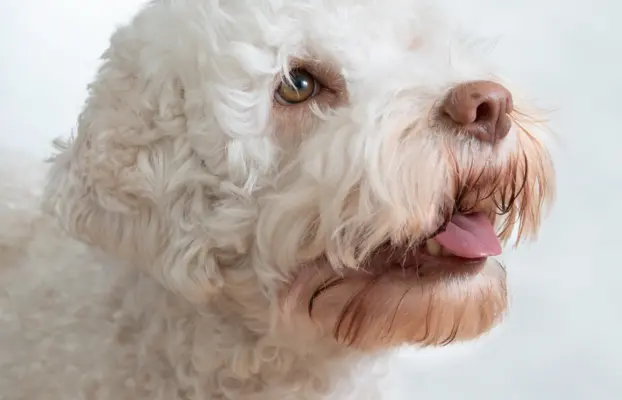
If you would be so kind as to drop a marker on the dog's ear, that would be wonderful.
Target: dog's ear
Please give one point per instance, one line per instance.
(129, 181)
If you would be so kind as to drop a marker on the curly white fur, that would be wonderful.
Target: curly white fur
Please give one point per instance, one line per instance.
(206, 203)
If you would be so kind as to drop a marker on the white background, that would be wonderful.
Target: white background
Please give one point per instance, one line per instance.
(563, 337)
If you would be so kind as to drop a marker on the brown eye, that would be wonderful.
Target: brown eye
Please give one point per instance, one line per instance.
(301, 87)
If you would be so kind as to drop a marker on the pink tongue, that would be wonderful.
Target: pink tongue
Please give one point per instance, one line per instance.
(470, 236)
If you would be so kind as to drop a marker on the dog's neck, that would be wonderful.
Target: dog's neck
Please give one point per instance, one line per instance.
(212, 356)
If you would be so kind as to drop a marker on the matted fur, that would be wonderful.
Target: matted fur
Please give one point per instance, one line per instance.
(244, 237)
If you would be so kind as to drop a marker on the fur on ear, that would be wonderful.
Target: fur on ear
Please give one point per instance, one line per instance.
(129, 181)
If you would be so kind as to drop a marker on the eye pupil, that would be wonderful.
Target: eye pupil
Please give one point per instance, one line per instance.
(300, 87)
(301, 82)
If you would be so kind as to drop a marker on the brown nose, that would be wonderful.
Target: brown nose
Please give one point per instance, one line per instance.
(480, 109)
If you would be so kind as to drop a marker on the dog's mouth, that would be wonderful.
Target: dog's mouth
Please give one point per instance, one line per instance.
(435, 290)
(468, 236)
(460, 244)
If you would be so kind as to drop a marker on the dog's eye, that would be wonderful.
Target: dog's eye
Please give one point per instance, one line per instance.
(301, 87)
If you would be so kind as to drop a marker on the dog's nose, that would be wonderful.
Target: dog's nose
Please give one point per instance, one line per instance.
(480, 109)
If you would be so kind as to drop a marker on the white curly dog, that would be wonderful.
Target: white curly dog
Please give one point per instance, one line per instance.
(263, 200)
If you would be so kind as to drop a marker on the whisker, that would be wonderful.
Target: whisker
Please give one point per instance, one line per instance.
(331, 283)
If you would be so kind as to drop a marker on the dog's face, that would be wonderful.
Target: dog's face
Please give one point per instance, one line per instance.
(340, 168)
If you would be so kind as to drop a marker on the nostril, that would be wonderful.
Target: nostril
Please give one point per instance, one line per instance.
(483, 112)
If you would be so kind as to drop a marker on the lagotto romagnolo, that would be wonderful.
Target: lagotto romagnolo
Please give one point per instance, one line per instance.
(263, 199)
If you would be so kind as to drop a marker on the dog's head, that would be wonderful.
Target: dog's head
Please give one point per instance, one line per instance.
(345, 168)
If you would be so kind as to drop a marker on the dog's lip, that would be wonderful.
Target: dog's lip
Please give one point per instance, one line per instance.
(424, 256)
(407, 258)
(445, 266)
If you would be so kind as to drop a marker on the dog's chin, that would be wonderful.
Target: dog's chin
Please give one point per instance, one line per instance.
(402, 295)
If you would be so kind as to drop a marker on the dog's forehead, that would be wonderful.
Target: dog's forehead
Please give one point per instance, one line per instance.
(397, 42)
(335, 26)
(363, 38)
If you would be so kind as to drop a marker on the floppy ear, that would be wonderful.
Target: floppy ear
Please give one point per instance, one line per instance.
(129, 181)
